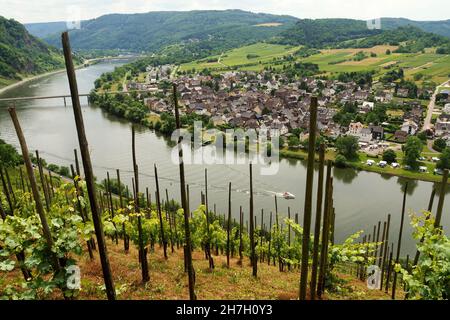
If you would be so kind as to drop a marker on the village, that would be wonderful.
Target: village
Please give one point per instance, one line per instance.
(379, 115)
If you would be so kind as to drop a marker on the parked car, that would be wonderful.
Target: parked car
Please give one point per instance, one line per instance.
(370, 162)
(435, 159)
(438, 171)
(395, 165)
(382, 164)
(423, 169)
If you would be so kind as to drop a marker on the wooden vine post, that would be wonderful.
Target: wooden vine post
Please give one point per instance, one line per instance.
(2, 211)
(42, 178)
(6, 191)
(308, 198)
(325, 230)
(228, 225)
(142, 249)
(184, 204)
(161, 224)
(80, 207)
(208, 234)
(20, 255)
(399, 243)
(315, 260)
(437, 221)
(386, 247)
(87, 166)
(34, 188)
(126, 242)
(383, 238)
(241, 227)
(253, 257)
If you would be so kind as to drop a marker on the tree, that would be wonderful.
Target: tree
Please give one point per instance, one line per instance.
(388, 52)
(340, 161)
(293, 141)
(8, 155)
(64, 171)
(389, 155)
(347, 146)
(412, 149)
(114, 185)
(422, 136)
(444, 160)
(439, 144)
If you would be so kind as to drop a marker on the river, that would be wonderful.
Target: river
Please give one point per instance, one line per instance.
(361, 198)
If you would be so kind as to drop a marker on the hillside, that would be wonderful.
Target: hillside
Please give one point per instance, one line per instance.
(44, 29)
(438, 27)
(22, 54)
(323, 32)
(347, 33)
(199, 31)
(409, 39)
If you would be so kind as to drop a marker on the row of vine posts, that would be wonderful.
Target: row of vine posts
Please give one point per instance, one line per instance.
(323, 231)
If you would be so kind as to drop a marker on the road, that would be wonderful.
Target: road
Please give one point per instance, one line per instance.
(220, 62)
(431, 105)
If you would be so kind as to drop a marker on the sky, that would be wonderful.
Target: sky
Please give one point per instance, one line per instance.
(26, 11)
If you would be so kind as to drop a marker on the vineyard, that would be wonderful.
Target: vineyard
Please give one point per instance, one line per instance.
(139, 243)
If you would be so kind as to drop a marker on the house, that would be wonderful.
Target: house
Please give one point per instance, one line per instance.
(383, 97)
(365, 135)
(366, 105)
(361, 96)
(446, 108)
(410, 127)
(355, 128)
(402, 92)
(377, 132)
(442, 125)
(400, 136)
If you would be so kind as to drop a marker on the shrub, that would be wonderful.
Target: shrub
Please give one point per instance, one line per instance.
(340, 161)
(439, 144)
(389, 156)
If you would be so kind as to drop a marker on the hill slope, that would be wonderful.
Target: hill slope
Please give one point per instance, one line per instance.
(154, 30)
(348, 33)
(23, 54)
(322, 32)
(45, 29)
(438, 27)
(409, 39)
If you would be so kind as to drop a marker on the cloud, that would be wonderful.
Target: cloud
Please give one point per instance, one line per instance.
(56, 10)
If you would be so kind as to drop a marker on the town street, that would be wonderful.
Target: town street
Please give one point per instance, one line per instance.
(427, 121)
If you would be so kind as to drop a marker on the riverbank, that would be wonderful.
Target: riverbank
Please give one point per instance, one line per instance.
(23, 81)
(43, 75)
(361, 164)
(150, 121)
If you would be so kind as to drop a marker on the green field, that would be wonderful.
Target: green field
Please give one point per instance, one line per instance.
(255, 57)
